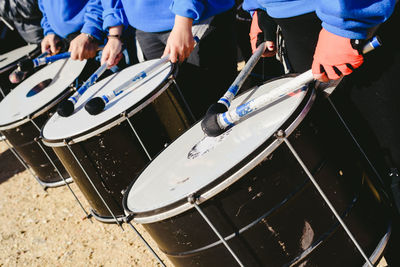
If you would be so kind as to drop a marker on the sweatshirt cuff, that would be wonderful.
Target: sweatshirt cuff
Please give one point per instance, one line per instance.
(95, 32)
(114, 17)
(192, 10)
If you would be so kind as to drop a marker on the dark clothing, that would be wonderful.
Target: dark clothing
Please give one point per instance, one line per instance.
(210, 69)
(25, 16)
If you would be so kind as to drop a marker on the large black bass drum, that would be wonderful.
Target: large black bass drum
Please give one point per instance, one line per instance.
(244, 199)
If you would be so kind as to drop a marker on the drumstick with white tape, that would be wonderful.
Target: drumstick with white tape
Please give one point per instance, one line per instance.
(218, 122)
(225, 101)
(19, 75)
(97, 104)
(67, 107)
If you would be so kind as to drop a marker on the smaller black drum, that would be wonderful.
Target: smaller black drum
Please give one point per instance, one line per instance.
(103, 152)
(246, 188)
(26, 109)
(9, 61)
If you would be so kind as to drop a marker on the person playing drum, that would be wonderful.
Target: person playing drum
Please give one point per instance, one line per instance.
(165, 27)
(65, 18)
(321, 34)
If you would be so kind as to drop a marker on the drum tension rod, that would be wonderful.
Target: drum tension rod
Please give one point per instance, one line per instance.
(194, 199)
(93, 185)
(125, 116)
(281, 135)
(37, 140)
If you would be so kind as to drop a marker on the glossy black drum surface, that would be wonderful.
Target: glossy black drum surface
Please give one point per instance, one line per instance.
(272, 214)
(27, 108)
(103, 159)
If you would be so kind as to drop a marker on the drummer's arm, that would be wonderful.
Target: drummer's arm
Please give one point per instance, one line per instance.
(50, 39)
(112, 51)
(114, 20)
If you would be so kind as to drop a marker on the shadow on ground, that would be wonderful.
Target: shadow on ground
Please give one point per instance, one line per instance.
(9, 166)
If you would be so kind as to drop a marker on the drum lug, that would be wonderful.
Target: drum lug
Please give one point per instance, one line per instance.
(280, 134)
(193, 198)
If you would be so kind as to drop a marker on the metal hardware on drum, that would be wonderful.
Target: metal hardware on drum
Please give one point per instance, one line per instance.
(281, 135)
(192, 200)
(21, 160)
(136, 134)
(95, 189)
(146, 244)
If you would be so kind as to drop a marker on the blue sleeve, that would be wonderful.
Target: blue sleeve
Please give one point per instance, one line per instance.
(113, 14)
(251, 5)
(188, 8)
(93, 19)
(352, 19)
(44, 23)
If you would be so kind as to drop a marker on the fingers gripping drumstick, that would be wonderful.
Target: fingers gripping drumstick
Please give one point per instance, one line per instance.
(97, 104)
(67, 107)
(218, 122)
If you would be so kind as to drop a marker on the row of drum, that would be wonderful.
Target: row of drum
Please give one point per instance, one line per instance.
(243, 198)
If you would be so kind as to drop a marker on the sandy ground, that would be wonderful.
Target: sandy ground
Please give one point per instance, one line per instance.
(45, 228)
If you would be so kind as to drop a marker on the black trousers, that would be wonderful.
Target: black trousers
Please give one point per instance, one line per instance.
(211, 67)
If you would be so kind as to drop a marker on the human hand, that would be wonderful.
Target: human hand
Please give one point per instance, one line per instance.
(263, 29)
(112, 52)
(180, 42)
(83, 47)
(51, 43)
(334, 57)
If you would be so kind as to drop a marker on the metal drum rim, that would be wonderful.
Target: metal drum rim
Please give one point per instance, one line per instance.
(232, 175)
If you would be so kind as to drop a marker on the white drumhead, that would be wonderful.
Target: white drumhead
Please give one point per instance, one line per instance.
(180, 171)
(16, 54)
(59, 128)
(32, 94)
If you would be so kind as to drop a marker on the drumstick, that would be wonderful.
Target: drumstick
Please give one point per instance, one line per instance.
(18, 75)
(224, 102)
(66, 108)
(97, 104)
(30, 64)
(219, 121)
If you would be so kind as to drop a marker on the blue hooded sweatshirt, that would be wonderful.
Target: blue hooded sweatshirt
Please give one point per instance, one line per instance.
(347, 18)
(159, 15)
(64, 17)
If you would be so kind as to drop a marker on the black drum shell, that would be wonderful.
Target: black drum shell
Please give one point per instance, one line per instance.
(273, 213)
(114, 156)
(24, 138)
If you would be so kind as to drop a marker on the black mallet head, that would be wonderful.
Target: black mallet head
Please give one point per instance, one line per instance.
(209, 124)
(95, 106)
(26, 65)
(65, 108)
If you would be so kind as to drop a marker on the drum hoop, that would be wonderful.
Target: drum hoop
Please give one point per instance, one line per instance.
(38, 112)
(231, 176)
(66, 92)
(116, 120)
(33, 53)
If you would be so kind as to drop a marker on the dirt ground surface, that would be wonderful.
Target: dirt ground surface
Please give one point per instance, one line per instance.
(45, 228)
